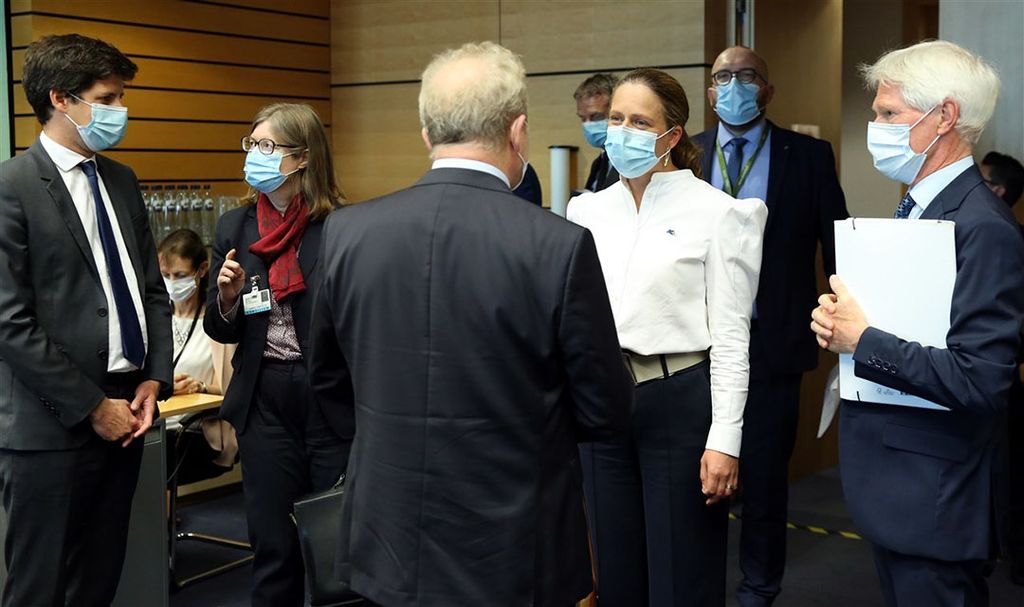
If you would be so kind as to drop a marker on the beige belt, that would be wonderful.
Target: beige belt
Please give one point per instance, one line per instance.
(659, 366)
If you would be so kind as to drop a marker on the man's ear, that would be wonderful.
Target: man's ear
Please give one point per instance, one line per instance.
(712, 96)
(60, 100)
(426, 140)
(949, 116)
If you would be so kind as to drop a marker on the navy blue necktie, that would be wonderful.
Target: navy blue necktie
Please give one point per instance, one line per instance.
(131, 331)
(735, 162)
(905, 207)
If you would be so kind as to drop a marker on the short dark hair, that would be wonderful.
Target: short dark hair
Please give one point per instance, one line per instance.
(598, 84)
(186, 244)
(1005, 171)
(69, 63)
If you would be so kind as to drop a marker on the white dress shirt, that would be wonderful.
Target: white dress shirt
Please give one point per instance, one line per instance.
(473, 165)
(77, 183)
(925, 191)
(681, 275)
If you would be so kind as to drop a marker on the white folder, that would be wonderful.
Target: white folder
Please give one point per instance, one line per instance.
(901, 272)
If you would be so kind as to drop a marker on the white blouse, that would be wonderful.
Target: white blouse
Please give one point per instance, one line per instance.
(197, 354)
(682, 276)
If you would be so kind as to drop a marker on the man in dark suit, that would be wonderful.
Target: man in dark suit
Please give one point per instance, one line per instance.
(471, 333)
(85, 334)
(920, 483)
(749, 157)
(593, 100)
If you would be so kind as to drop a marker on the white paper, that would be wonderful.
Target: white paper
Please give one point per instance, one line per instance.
(901, 272)
(829, 401)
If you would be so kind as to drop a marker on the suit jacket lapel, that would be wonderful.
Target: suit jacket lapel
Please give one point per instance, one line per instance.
(58, 192)
(257, 265)
(309, 250)
(952, 196)
(778, 156)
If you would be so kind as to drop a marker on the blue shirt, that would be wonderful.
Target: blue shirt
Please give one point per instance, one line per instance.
(925, 191)
(756, 183)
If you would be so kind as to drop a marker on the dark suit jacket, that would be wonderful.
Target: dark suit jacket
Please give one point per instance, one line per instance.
(480, 344)
(602, 174)
(238, 229)
(53, 312)
(530, 189)
(920, 482)
(804, 199)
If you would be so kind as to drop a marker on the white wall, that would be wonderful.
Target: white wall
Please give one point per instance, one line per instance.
(870, 27)
(993, 29)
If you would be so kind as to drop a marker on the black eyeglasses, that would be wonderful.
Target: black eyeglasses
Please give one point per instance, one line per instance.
(265, 146)
(745, 76)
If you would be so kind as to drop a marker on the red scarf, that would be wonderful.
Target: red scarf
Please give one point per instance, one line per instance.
(279, 244)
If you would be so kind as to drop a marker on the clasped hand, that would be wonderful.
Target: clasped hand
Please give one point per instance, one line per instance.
(838, 322)
(116, 419)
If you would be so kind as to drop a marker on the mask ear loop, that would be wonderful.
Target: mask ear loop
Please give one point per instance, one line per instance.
(668, 152)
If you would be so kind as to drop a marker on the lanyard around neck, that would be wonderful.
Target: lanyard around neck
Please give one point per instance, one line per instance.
(742, 177)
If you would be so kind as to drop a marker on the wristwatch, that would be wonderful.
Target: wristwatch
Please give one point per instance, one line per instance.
(202, 387)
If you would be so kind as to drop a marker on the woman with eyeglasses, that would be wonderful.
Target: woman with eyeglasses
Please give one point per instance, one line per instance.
(681, 262)
(265, 260)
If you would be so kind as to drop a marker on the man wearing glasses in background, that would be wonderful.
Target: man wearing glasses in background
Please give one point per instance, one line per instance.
(748, 156)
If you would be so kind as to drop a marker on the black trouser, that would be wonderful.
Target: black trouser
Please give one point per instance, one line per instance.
(67, 519)
(769, 434)
(287, 451)
(912, 581)
(656, 541)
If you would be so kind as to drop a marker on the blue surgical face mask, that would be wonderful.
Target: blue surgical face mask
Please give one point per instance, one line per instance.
(890, 149)
(737, 102)
(106, 128)
(595, 132)
(631, 151)
(263, 171)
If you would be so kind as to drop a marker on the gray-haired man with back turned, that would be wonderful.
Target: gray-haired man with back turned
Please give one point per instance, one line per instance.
(473, 336)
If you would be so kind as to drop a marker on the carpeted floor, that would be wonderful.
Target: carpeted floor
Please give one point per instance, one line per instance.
(823, 569)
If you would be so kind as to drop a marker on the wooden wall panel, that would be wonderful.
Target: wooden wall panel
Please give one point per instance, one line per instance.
(388, 40)
(380, 48)
(314, 8)
(206, 18)
(377, 148)
(204, 70)
(561, 36)
(178, 105)
(136, 42)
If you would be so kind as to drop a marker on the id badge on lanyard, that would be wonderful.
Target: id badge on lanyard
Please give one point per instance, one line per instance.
(256, 301)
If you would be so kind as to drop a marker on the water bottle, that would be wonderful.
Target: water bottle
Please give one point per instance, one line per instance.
(156, 212)
(195, 216)
(209, 216)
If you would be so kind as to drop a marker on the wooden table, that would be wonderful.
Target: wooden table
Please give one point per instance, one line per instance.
(189, 403)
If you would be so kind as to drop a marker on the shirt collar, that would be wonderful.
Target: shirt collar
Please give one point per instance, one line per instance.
(473, 165)
(66, 159)
(925, 191)
(754, 134)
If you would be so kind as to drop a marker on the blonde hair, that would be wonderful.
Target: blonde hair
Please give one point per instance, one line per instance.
(480, 106)
(929, 73)
(297, 124)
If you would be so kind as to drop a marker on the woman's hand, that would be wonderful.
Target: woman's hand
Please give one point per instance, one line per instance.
(230, 280)
(719, 475)
(185, 384)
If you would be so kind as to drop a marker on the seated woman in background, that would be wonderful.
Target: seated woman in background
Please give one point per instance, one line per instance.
(200, 364)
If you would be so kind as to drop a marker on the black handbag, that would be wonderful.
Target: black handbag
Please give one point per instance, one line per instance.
(317, 517)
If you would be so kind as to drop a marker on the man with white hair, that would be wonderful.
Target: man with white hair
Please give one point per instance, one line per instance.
(920, 483)
(472, 333)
